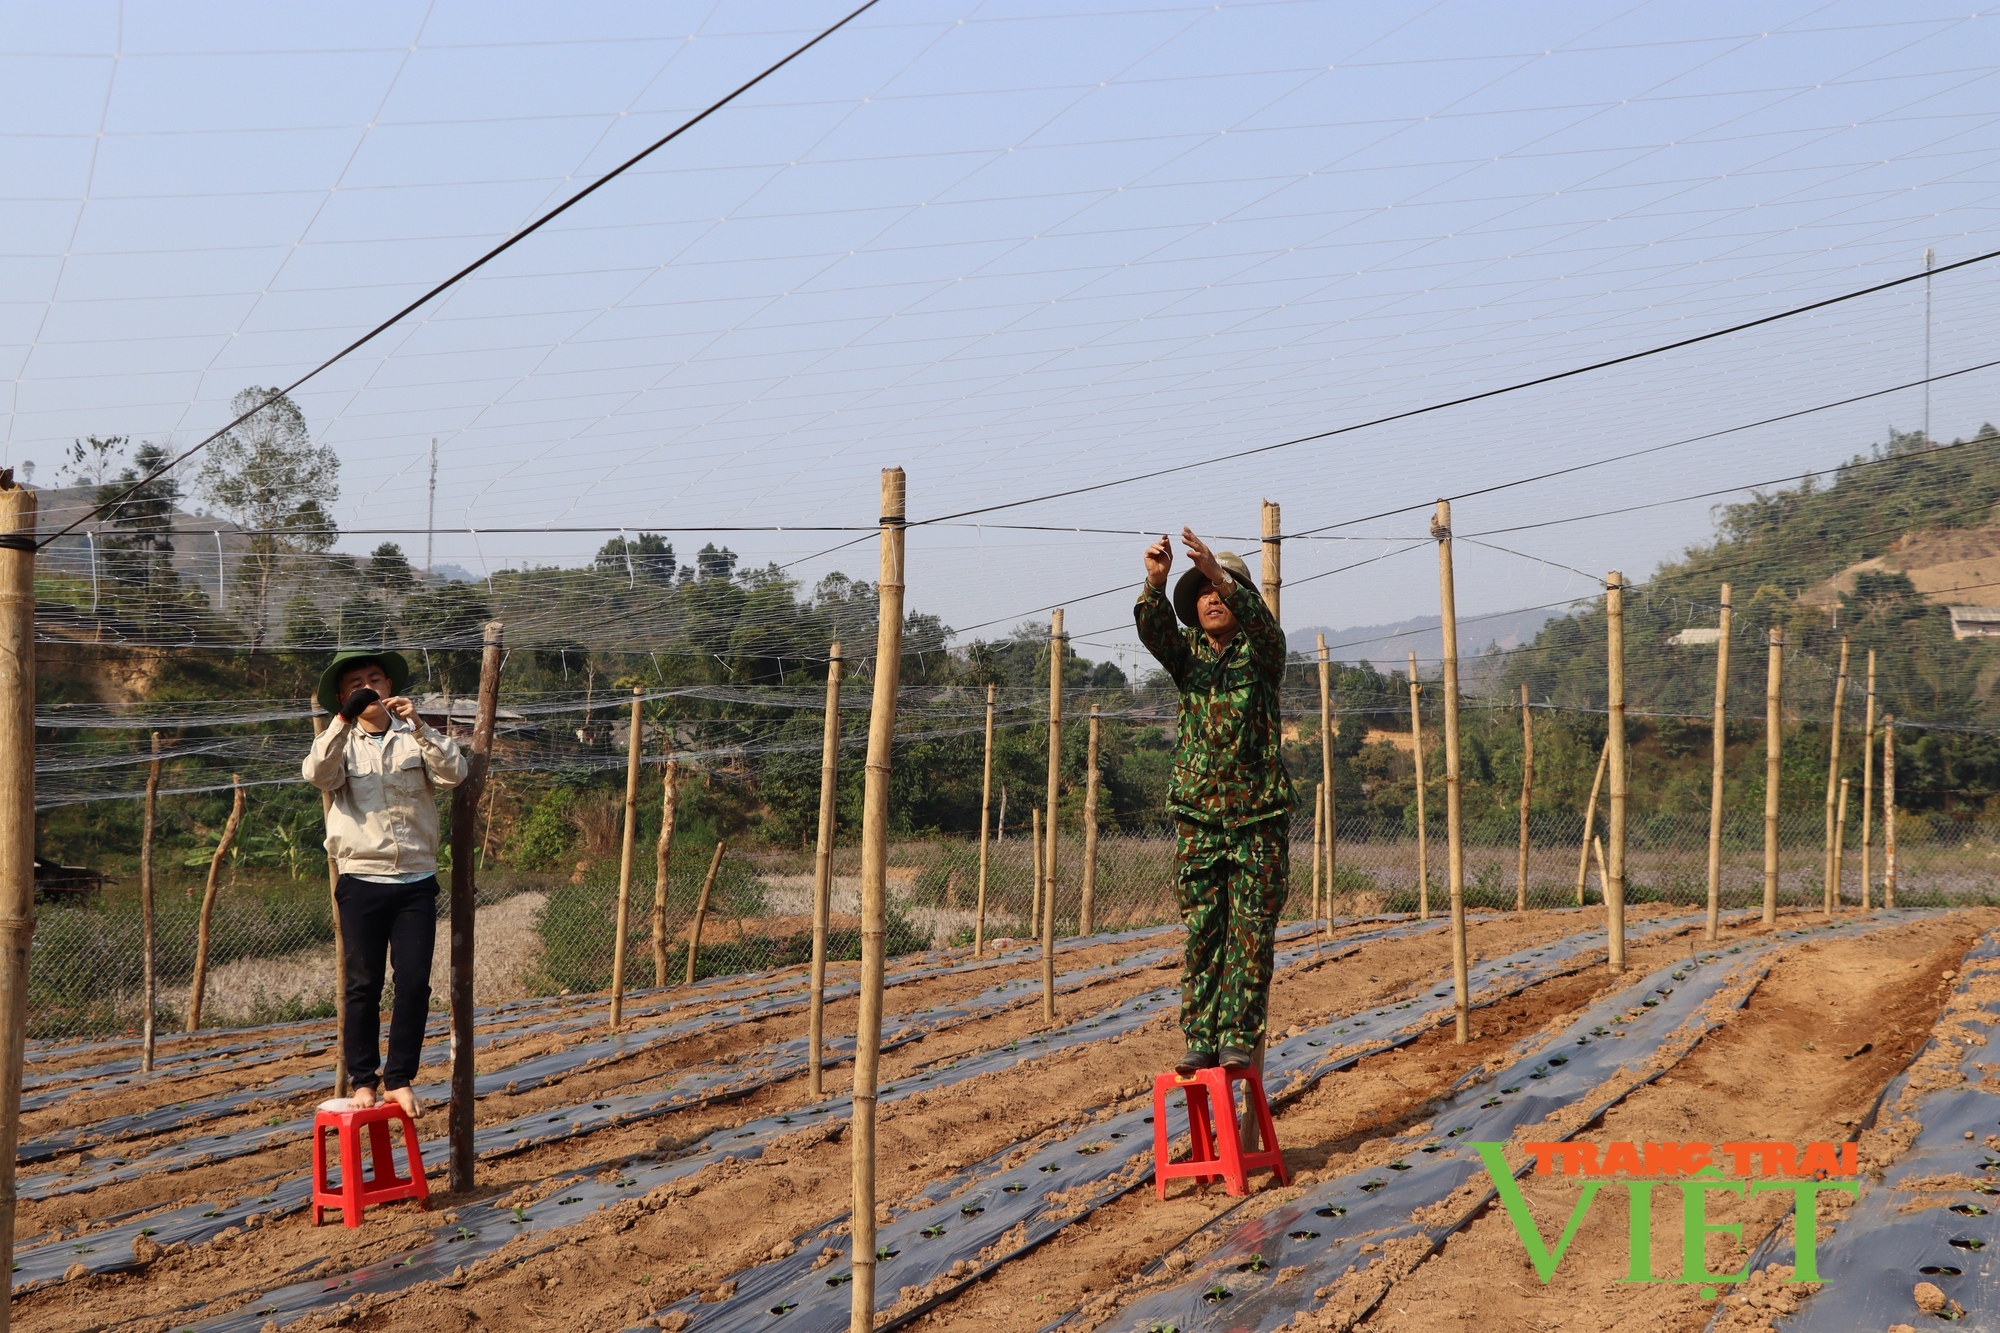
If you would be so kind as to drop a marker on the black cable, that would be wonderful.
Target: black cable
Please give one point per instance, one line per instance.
(1468, 398)
(483, 260)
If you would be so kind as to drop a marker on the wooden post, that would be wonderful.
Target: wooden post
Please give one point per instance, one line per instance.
(1268, 569)
(1889, 810)
(1868, 785)
(1454, 841)
(1423, 833)
(1831, 893)
(985, 814)
(625, 861)
(1055, 796)
(874, 883)
(465, 907)
(17, 827)
(663, 851)
(1527, 794)
(1774, 690)
(339, 945)
(151, 986)
(829, 793)
(1087, 923)
(1590, 822)
(701, 910)
(1614, 884)
(1603, 877)
(1327, 832)
(1839, 839)
(1718, 743)
(200, 985)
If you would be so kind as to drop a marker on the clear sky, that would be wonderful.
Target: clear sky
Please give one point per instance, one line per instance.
(1017, 249)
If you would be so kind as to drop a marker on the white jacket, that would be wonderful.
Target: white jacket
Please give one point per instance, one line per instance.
(384, 817)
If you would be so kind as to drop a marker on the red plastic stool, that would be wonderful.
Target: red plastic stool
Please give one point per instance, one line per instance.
(383, 1185)
(1217, 1152)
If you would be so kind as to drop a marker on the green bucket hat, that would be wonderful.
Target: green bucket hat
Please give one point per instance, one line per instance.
(1188, 590)
(393, 664)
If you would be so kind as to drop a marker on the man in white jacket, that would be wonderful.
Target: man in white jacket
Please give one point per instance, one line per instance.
(383, 766)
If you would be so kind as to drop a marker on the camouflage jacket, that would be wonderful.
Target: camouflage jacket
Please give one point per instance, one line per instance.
(1229, 767)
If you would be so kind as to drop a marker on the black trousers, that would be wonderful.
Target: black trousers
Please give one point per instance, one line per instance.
(384, 924)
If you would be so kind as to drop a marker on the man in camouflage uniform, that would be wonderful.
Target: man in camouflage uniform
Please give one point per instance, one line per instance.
(1231, 796)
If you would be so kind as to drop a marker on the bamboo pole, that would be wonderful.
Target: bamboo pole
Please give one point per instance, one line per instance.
(1319, 808)
(631, 840)
(1839, 838)
(17, 828)
(1614, 743)
(1527, 794)
(1269, 571)
(1831, 892)
(1603, 877)
(1888, 810)
(874, 881)
(1454, 841)
(465, 906)
(1048, 930)
(1423, 834)
(663, 851)
(1590, 823)
(1087, 923)
(1868, 785)
(339, 946)
(701, 911)
(829, 792)
(985, 814)
(1327, 832)
(1774, 691)
(147, 1035)
(200, 984)
(1035, 856)
(1718, 744)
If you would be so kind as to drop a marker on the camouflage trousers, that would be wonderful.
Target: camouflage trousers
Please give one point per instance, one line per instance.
(1232, 883)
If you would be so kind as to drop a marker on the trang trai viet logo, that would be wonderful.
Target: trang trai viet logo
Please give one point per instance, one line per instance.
(1695, 1170)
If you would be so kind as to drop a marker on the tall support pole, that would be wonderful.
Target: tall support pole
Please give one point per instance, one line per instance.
(829, 793)
(1868, 786)
(874, 883)
(985, 843)
(1270, 574)
(1423, 832)
(199, 988)
(1035, 850)
(1327, 832)
(1889, 811)
(1527, 795)
(1718, 743)
(17, 827)
(152, 1000)
(1774, 722)
(1086, 912)
(1840, 835)
(339, 946)
(1830, 895)
(465, 907)
(1461, 980)
(663, 853)
(625, 860)
(1054, 799)
(1319, 811)
(1590, 827)
(1614, 744)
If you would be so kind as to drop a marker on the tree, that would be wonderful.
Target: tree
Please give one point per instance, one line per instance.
(268, 476)
(140, 555)
(650, 556)
(91, 459)
(711, 563)
(389, 569)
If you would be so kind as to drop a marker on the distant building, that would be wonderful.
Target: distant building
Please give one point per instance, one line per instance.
(1975, 622)
(1690, 638)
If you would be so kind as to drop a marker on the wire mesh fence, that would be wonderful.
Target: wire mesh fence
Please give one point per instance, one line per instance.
(538, 935)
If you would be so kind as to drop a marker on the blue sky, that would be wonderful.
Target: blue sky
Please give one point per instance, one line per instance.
(1015, 249)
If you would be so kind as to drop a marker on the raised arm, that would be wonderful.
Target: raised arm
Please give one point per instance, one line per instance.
(1267, 638)
(326, 763)
(1154, 616)
(445, 762)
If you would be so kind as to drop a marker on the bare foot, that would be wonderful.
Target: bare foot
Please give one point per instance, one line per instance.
(363, 1097)
(407, 1099)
